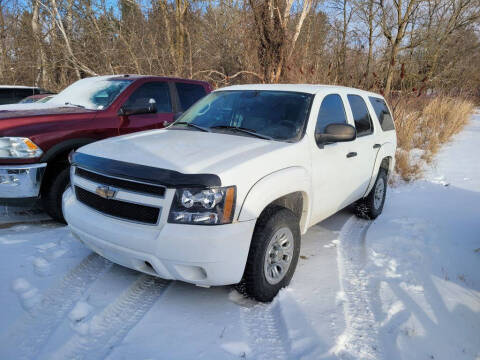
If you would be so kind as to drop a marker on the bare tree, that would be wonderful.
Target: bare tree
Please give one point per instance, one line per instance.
(272, 19)
(395, 17)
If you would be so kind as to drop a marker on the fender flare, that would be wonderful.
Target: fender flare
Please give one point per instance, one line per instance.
(65, 146)
(274, 186)
(386, 150)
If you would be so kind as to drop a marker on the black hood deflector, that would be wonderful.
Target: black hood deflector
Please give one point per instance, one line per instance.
(143, 173)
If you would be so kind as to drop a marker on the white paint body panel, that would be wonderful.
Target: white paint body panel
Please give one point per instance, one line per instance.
(262, 172)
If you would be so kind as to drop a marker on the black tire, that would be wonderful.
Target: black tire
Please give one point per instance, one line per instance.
(272, 221)
(53, 192)
(369, 208)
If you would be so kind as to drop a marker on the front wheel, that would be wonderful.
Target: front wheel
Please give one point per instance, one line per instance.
(273, 254)
(52, 196)
(372, 205)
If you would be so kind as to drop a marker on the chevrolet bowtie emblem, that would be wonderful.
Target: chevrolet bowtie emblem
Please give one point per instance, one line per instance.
(106, 192)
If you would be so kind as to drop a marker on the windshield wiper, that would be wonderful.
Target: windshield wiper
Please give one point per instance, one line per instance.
(243, 130)
(80, 106)
(192, 125)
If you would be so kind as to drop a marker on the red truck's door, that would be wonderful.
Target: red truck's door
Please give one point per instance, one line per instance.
(154, 91)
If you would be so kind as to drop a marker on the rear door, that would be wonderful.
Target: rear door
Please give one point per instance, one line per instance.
(153, 91)
(365, 147)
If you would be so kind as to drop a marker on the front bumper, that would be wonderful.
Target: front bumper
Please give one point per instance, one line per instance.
(202, 255)
(21, 181)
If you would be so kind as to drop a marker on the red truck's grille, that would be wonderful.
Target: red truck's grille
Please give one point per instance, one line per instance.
(121, 183)
(119, 209)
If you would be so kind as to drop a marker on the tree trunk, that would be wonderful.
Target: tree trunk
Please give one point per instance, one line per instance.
(370, 38)
(391, 68)
(41, 59)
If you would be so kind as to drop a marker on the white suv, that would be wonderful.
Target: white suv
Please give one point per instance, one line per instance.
(223, 195)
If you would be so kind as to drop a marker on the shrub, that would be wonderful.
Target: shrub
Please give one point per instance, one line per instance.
(423, 125)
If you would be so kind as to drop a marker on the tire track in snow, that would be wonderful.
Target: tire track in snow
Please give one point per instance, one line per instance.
(110, 326)
(266, 331)
(30, 333)
(360, 338)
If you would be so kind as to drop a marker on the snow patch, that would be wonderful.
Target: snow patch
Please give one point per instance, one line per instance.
(28, 295)
(81, 310)
(240, 299)
(240, 349)
(41, 266)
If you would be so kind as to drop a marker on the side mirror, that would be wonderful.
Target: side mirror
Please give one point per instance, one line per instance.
(336, 133)
(151, 108)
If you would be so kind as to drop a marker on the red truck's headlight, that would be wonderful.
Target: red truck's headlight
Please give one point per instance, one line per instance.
(18, 148)
(212, 206)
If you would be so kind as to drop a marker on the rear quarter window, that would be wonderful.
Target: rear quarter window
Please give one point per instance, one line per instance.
(382, 112)
(189, 94)
(6, 96)
(23, 93)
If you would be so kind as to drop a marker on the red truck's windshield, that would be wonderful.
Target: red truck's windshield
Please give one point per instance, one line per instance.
(91, 93)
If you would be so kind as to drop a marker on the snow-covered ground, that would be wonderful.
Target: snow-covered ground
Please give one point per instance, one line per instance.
(406, 286)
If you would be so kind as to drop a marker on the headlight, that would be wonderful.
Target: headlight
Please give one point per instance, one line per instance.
(213, 206)
(18, 148)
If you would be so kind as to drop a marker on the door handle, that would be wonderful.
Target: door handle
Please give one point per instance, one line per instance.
(351, 154)
(376, 146)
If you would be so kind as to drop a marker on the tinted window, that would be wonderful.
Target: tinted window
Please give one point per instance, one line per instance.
(331, 111)
(158, 92)
(189, 94)
(363, 122)
(23, 93)
(6, 96)
(383, 114)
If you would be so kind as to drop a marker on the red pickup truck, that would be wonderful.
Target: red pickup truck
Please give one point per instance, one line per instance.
(35, 139)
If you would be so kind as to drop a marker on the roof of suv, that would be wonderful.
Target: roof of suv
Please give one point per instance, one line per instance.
(18, 87)
(305, 88)
(136, 77)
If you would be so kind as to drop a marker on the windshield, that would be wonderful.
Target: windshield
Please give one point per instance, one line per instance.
(45, 99)
(280, 115)
(91, 93)
(27, 100)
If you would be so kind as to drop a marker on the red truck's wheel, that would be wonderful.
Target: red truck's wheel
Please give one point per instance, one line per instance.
(52, 197)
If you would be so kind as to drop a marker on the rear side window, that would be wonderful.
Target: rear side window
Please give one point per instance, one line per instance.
(189, 94)
(158, 92)
(383, 114)
(363, 122)
(6, 96)
(331, 111)
(23, 93)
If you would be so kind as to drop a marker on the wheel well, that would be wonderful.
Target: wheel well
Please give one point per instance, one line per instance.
(55, 165)
(57, 159)
(386, 163)
(295, 202)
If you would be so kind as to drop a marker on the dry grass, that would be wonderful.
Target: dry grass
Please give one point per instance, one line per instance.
(423, 125)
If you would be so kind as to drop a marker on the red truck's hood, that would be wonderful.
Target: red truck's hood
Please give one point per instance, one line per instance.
(22, 113)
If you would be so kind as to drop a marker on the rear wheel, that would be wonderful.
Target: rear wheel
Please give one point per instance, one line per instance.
(53, 192)
(273, 254)
(372, 205)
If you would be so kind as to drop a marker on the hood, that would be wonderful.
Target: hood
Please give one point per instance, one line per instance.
(195, 152)
(28, 110)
